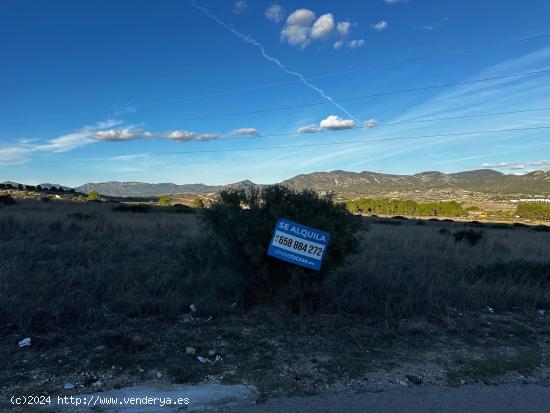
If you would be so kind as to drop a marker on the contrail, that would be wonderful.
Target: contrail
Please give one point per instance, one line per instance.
(250, 40)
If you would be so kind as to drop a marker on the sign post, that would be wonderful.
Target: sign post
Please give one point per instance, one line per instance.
(298, 244)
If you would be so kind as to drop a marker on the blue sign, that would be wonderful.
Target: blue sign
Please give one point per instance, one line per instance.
(298, 244)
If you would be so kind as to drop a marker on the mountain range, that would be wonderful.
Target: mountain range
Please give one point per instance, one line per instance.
(138, 189)
(343, 183)
(483, 182)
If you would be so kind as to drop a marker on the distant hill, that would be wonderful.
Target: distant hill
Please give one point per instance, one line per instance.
(45, 186)
(48, 186)
(430, 184)
(14, 184)
(144, 189)
(482, 181)
(137, 189)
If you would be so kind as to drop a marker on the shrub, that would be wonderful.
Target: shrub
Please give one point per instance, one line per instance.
(7, 199)
(533, 211)
(165, 200)
(474, 224)
(182, 209)
(405, 207)
(131, 208)
(94, 196)
(473, 208)
(242, 222)
(470, 236)
(197, 203)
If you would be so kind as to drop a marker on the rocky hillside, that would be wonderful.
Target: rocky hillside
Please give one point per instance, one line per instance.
(139, 189)
(144, 189)
(483, 181)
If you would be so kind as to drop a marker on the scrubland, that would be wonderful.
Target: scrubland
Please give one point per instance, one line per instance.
(66, 263)
(108, 289)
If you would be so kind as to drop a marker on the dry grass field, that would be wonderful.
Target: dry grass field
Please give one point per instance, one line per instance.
(63, 263)
(104, 291)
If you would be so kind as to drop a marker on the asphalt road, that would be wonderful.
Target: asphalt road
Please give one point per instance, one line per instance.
(465, 399)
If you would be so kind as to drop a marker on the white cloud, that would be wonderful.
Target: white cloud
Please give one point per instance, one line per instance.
(354, 44)
(301, 17)
(515, 165)
(21, 153)
(123, 134)
(297, 30)
(302, 28)
(343, 28)
(187, 136)
(25, 141)
(130, 157)
(323, 27)
(14, 155)
(209, 137)
(245, 132)
(436, 25)
(309, 129)
(334, 122)
(381, 25)
(296, 35)
(181, 135)
(239, 7)
(74, 140)
(371, 123)
(395, 1)
(275, 13)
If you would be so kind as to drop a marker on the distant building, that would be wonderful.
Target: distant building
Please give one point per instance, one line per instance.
(530, 200)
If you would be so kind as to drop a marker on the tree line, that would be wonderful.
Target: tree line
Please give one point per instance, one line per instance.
(405, 207)
(35, 188)
(533, 211)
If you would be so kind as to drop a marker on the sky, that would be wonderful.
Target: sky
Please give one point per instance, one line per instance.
(218, 91)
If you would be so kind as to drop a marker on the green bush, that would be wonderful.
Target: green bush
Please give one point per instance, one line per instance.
(93, 196)
(197, 203)
(405, 207)
(165, 200)
(470, 236)
(7, 199)
(533, 211)
(241, 224)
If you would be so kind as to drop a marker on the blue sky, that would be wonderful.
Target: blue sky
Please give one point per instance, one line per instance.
(169, 91)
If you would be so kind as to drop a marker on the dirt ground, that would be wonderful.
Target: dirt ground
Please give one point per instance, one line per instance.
(282, 355)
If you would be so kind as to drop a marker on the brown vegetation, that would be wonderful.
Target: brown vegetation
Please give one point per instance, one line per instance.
(104, 291)
(64, 263)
